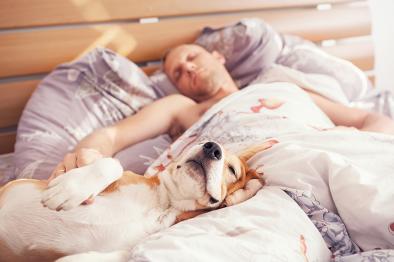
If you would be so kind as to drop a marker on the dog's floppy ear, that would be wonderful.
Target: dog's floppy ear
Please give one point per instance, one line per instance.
(247, 154)
(253, 183)
(253, 180)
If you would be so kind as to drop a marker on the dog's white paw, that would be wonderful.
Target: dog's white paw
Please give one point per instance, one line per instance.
(71, 189)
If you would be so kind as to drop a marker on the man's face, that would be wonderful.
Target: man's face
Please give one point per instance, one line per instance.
(196, 73)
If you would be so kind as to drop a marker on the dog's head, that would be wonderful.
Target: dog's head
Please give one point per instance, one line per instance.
(205, 176)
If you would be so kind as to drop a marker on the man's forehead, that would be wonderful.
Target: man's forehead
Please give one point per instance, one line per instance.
(173, 54)
(184, 48)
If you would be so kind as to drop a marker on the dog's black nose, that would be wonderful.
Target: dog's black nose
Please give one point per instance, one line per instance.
(212, 151)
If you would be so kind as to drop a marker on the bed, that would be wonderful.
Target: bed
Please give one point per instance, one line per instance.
(36, 38)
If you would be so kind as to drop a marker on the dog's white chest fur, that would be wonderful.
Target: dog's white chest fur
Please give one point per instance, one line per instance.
(116, 220)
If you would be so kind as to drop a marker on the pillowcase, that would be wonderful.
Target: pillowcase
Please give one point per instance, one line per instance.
(163, 83)
(76, 98)
(305, 57)
(249, 46)
(6, 168)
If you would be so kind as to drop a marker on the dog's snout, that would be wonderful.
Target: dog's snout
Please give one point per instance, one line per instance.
(212, 151)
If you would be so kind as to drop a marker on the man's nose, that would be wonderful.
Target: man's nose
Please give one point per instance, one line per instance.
(212, 151)
(189, 67)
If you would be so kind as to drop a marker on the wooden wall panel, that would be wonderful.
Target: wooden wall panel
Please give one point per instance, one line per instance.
(359, 53)
(13, 97)
(27, 13)
(7, 141)
(40, 51)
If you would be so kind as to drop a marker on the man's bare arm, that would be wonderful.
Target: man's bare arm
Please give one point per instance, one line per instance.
(342, 115)
(152, 120)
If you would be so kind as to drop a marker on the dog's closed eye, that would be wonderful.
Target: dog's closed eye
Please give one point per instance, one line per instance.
(232, 171)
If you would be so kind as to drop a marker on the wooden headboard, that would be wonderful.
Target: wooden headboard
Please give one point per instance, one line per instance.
(35, 36)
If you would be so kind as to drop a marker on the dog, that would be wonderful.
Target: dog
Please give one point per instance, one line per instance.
(45, 222)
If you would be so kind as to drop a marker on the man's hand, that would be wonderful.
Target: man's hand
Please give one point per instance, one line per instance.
(346, 116)
(79, 158)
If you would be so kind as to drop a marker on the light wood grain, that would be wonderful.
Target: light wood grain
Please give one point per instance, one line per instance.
(13, 97)
(359, 53)
(7, 141)
(40, 51)
(27, 13)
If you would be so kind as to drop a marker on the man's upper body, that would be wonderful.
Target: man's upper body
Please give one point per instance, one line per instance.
(202, 81)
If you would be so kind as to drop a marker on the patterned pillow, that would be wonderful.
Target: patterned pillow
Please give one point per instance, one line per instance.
(95, 91)
(249, 46)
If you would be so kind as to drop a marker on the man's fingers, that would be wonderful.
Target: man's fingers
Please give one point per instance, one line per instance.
(70, 161)
(59, 170)
(68, 164)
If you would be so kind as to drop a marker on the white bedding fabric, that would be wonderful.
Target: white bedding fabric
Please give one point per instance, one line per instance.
(246, 232)
(349, 172)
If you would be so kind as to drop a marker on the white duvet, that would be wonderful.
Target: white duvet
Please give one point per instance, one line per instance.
(348, 172)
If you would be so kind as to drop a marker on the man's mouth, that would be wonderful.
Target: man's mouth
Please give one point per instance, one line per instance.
(197, 73)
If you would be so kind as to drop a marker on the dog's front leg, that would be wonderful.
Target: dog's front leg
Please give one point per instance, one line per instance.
(71, 189)
(168, 218)
(115, 256)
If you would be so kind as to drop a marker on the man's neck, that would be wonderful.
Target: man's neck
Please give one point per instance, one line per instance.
(223, 92)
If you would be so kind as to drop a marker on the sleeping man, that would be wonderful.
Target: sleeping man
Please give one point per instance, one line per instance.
(202, 80)
(321, 156)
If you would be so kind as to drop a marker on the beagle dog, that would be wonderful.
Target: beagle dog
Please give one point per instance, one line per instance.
(44, 222)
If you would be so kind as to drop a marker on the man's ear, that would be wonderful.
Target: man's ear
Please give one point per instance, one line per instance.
(219, 57)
